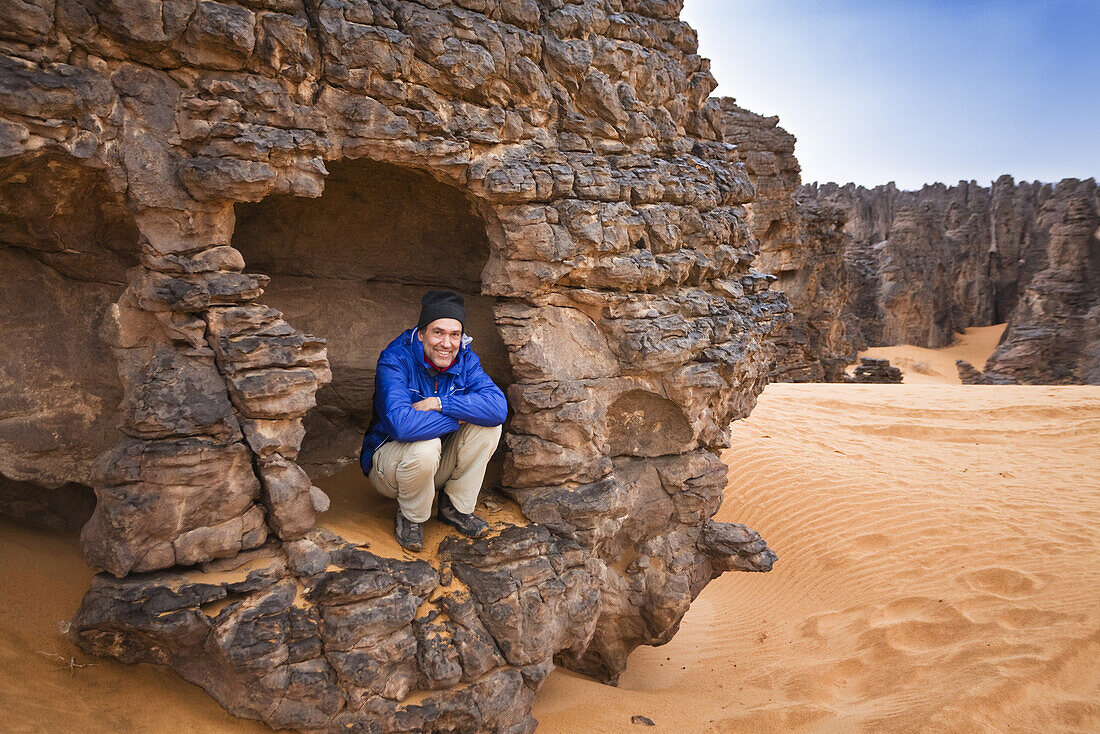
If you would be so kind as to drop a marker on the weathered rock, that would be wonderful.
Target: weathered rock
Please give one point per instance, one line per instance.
(560, 165)
(523, 583)
(871, 370)
(1053, 334)
(286, 495)
(926, 264)
(971, 376)
(162, 503)
(802, 243)
(325, 638)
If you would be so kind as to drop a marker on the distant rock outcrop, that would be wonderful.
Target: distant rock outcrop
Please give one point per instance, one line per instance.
(874, 371)
(969, 375)
(1053, 334)
(802, 243)
(876, 267)
(559, 163)
(926, 264)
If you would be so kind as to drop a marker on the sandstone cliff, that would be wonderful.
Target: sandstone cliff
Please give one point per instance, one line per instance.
(557, 162)
(1053, 333)
(925, 264)
(875, 267)
(802, 243)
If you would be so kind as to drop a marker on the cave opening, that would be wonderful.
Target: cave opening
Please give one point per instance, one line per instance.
(67, 239)
(351, 266)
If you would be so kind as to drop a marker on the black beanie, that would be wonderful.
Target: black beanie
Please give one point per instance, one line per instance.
(441, 305)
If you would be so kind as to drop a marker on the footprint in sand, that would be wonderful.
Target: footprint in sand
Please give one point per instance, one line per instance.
(870, 544)
(917, 624)
(1030, 617)
(1006, 583)
(909, 607)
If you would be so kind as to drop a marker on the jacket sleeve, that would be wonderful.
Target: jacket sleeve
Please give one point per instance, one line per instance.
(393, 402)
(479, 402)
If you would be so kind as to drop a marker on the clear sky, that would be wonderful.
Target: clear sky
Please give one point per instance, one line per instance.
(916, 91)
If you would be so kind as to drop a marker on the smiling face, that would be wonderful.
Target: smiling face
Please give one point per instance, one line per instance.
(442, 339)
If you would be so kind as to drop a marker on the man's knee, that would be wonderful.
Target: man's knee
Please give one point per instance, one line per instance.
(483, 435)
(422, 455)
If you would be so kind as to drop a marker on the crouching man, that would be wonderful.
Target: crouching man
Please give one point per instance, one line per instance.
(437, 420)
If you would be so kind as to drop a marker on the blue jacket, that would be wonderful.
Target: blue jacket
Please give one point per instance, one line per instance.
(403, 377)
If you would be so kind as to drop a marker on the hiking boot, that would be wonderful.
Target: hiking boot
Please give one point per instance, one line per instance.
(409, 534)
(468, 524)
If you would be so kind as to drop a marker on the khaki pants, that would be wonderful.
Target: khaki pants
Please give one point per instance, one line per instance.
(413, 472)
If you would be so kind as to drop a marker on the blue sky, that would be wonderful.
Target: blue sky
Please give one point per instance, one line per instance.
(916, 92)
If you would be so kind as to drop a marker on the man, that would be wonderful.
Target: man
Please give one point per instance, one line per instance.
(437, 420)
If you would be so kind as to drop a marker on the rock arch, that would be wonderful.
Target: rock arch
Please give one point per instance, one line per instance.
(351, 265)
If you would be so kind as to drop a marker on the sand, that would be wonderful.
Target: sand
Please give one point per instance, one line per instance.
(939, 570)
(937, 366)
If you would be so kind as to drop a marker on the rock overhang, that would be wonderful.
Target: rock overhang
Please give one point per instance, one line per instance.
(620, 263)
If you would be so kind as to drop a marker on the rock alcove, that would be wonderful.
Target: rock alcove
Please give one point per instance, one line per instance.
(572, 150)
(351, 265)
(66, 241)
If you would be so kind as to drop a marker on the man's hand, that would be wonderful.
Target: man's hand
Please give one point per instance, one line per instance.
(428, 404)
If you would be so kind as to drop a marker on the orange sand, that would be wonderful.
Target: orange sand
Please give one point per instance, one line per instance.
(42, 579)
(939, 570)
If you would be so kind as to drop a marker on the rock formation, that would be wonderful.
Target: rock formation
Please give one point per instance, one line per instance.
(874, 371)
(875, 267)
(802, 243)
(558, 163)
(925, 264)
(969, 375)
(1053, 334)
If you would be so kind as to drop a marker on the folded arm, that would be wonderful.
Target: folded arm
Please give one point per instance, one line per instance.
(481, 402)
(394, 404)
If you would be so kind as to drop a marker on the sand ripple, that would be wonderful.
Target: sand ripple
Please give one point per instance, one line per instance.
(938, 571)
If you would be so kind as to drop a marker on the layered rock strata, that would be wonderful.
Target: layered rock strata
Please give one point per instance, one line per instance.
(802, 243)
(921, 260)
(579, 157)
(969, 375)
(926, 264)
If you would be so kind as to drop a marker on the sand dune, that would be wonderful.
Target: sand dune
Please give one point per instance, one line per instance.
(939, 570)
(920, 365)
